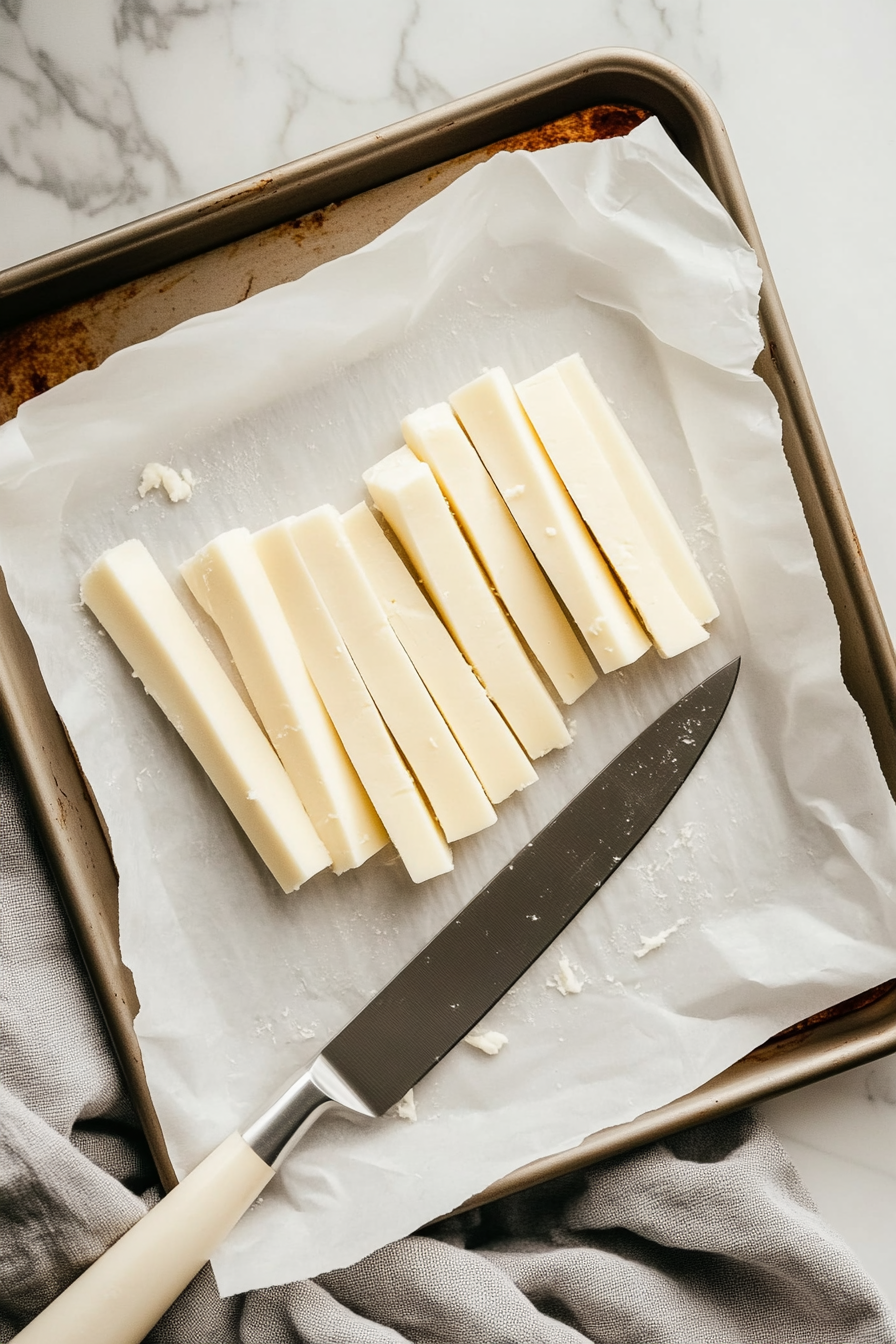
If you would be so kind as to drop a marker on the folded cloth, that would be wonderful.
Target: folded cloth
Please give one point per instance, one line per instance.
(708, 1236)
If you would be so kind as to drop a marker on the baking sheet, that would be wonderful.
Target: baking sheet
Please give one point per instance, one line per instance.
(776, 854)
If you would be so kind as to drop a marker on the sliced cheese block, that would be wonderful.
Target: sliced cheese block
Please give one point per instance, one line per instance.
(641, 490)
(576, 454)
(435, 436)
(491, 413)
(383, 773)
(406, 492)
(488, 744)
(130, 596)
(229, 582)
(442, 770)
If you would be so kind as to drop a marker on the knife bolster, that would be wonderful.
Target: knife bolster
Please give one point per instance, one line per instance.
(274, 1131)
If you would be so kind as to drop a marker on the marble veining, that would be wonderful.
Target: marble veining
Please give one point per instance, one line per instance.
(111, 109)
(115, 108)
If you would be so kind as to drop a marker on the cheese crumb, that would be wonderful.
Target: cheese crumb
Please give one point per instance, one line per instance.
(514, 492)
(489, 1042)
(650, 944)
(177, 484)
(406, 1109)
(565, 981)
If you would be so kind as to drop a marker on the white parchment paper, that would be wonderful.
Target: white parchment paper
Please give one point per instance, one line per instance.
(773, 864)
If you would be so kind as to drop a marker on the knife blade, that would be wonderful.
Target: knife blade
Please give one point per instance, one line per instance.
(405, 1030)
(449, 986)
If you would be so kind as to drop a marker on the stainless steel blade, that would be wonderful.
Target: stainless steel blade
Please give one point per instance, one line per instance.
(440, 995)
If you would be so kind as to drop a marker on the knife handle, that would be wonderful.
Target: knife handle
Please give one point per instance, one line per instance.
(121, 1296)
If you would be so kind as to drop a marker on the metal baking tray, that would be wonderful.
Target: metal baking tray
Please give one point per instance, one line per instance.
(69, 310)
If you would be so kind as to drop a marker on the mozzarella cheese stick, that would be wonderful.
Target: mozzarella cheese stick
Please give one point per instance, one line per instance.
(488, 744)
(584, 471)
(641, 490)
(131, 598)
(442, 770)
(435, 436)
(229, 582)
(405, 491)
(491, 413)
(393, 792)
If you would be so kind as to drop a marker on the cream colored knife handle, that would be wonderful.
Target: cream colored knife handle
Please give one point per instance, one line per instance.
(121, 1296)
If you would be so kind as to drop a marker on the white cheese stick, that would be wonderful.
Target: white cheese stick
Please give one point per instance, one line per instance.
(391, 787)
(435, 436)
(491, 413)
(406, 493)
(488, 744)
(641, 490)
(584, 471)
(130, 596)
(229, 582)
(442, 770)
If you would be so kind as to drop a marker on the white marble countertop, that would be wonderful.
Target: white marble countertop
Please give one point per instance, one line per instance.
(111, 109)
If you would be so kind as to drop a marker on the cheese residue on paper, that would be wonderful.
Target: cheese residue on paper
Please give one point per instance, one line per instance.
(651, 943)
(406, 1109)
(489, 1042)
(177, 484)
(565, 980)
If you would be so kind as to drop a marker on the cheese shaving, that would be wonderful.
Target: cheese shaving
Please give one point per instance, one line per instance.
(565, 980)
(651, 943)
(489, 1042)
(406, 1109)
(177, 484)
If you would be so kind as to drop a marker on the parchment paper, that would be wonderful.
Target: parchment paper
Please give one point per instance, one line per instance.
(773, 864)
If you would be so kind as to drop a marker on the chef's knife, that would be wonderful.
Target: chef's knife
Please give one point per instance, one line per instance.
(402, 1033)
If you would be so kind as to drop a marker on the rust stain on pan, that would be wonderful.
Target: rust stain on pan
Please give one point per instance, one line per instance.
(309, 224)
(836, 1011)
(42, 353)
(177, 279)
(45, 351)
(256, 188)
(603, 122)
(306, 229)
(593, 123)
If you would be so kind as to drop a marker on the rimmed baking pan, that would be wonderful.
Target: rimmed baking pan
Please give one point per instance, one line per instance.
(69, 310)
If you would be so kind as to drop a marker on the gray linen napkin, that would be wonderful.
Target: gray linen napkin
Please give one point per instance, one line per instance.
(707, 1238)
